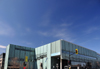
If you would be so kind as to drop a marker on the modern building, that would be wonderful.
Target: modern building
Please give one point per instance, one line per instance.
(2, 59)
(53, 55)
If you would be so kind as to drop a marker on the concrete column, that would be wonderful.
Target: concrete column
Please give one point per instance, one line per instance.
(60, 63)
(49, 56)
(78, 68)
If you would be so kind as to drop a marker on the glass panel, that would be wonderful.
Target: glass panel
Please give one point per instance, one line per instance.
(67, 47)
(83, 51)
(17, 53)
(67, 55)
(82, 58)
(73, 56)
(64, 45)
(22, 47)
(88, 52)
(63, 56)
(71, 47)
(63, 48)
(86, 59)
(27, 48)
(17, 46)
(95, 54)
(92, 53)
(22, 55)
(77, 57)
(80, 50)
(76, 47)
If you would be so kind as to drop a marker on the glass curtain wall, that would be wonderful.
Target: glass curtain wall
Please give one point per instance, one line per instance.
(84, 54)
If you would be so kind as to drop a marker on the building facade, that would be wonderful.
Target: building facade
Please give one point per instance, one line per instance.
(2, 59)
(18, 52)
(53, 55)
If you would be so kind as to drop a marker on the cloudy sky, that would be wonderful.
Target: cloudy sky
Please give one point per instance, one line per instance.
(33, 23)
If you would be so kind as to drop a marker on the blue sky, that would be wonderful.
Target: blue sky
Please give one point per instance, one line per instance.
(33, 23)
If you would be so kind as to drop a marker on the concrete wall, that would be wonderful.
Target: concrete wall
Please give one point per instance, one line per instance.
(55, 47)
(6, 57)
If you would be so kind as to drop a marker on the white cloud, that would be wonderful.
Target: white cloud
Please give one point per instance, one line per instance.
(91, 29)
(1, 46)
(97, 38)
(66, 24)
(5, 29)
(27, 43)
(46, 18)
(43, 33)
(59, 33)
(28, 29)
(2, 50)
(63, 34)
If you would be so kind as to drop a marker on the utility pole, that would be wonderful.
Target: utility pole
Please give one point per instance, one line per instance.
(69, 56)
(76, 51)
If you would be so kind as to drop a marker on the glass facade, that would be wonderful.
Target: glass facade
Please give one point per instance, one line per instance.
(98, 57)
(84, 54)
(19, 52)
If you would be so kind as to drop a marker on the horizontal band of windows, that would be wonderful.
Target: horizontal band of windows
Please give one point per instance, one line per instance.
(22, 59)
(66, 52)
(24, 49)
